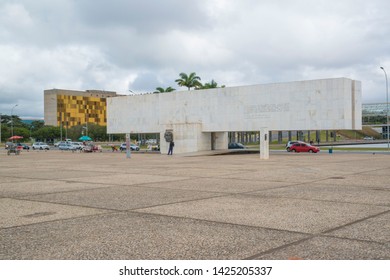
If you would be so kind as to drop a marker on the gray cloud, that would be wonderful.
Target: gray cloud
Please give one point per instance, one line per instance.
(141, 45)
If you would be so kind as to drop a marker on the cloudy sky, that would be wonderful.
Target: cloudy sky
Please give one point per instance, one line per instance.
(139, 45)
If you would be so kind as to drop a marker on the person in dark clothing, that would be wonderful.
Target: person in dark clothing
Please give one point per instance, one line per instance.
(171, 145)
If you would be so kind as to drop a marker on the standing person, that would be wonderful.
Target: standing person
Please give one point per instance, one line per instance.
(171, 145)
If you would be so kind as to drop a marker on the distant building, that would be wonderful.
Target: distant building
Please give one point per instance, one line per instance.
(70, 107)
(200, 120)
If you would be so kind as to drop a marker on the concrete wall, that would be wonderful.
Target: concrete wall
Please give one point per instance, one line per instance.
(307, 105)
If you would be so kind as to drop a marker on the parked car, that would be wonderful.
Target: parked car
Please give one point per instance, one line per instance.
(8, 144)
(40, 146)
(24, 146)
(78, 145)
(290, 143)
(236, 146)
(133, 147)
(368, 138)
(303, 147)
(59, 143)
(67, 146)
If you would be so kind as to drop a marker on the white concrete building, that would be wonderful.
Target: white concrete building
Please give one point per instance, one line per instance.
(201, 119)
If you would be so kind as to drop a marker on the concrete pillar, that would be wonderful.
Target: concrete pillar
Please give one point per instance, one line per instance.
(264, 143)
(280, 137)
(128, 150)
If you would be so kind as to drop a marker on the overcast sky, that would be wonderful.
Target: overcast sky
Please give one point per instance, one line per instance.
(119, 45)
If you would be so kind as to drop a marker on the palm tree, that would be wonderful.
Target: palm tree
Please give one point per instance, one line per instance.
(212, 84)
(189, 81)
(160, 89)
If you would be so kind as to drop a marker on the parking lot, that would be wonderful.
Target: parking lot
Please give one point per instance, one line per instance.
(63, 205)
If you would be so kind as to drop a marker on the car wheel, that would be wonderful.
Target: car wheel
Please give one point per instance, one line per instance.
(310, 151)
(288, 149)
(41, 148)
(137, 149)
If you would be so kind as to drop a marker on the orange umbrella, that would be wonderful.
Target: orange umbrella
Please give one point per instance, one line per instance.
(15, 137)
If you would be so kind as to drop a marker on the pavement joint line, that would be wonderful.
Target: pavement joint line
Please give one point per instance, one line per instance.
(354, 239)
(355, 222)
(325, 233)
(64, 204)
(266, 252)
(136, 211)
(319, 200)
(122, 210)
(60, 220)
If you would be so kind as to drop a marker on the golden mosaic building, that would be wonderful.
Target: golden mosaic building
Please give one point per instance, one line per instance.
(70, 107)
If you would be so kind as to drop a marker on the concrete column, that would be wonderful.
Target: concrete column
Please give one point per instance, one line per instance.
(264, 143)
(128, 150)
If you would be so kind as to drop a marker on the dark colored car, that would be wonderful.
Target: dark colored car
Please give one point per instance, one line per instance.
(8, 144)
(25, 147)
(236, 146)
(303, 147)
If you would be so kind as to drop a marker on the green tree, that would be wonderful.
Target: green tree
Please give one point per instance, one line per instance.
(212, 84)
(37, 124)
(46, 133)
(22, 131)
(189, 81)
(160, 89)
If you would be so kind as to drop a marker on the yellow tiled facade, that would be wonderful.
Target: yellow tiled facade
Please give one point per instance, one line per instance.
(78, 110)
(72, 107)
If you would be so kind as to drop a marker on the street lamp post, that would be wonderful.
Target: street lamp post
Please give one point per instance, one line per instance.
(12, 121)
(387, 110)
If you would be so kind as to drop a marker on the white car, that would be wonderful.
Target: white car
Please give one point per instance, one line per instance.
(40, 146)
(133, 147)
(67, 146)
(59, 143)
(78, 145)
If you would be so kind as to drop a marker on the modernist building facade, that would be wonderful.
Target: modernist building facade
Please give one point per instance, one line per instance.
(70, 107)
(201, 119)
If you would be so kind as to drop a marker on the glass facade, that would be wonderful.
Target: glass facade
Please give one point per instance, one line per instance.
(78, 110)
(375, 109)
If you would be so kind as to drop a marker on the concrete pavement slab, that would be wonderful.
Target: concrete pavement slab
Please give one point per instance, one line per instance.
(362, 180)
(125, 179)
(33, 187)
(220, 185)
(138, 236)
(123, 197)
(331, 248)
(373, 229)
(339, 193)
(298, 215)
(202, 207)
(14, 212)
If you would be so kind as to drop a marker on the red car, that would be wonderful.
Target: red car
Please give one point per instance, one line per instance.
(303, 147)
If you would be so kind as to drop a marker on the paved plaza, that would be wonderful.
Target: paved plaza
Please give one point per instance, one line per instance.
(64, 205)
